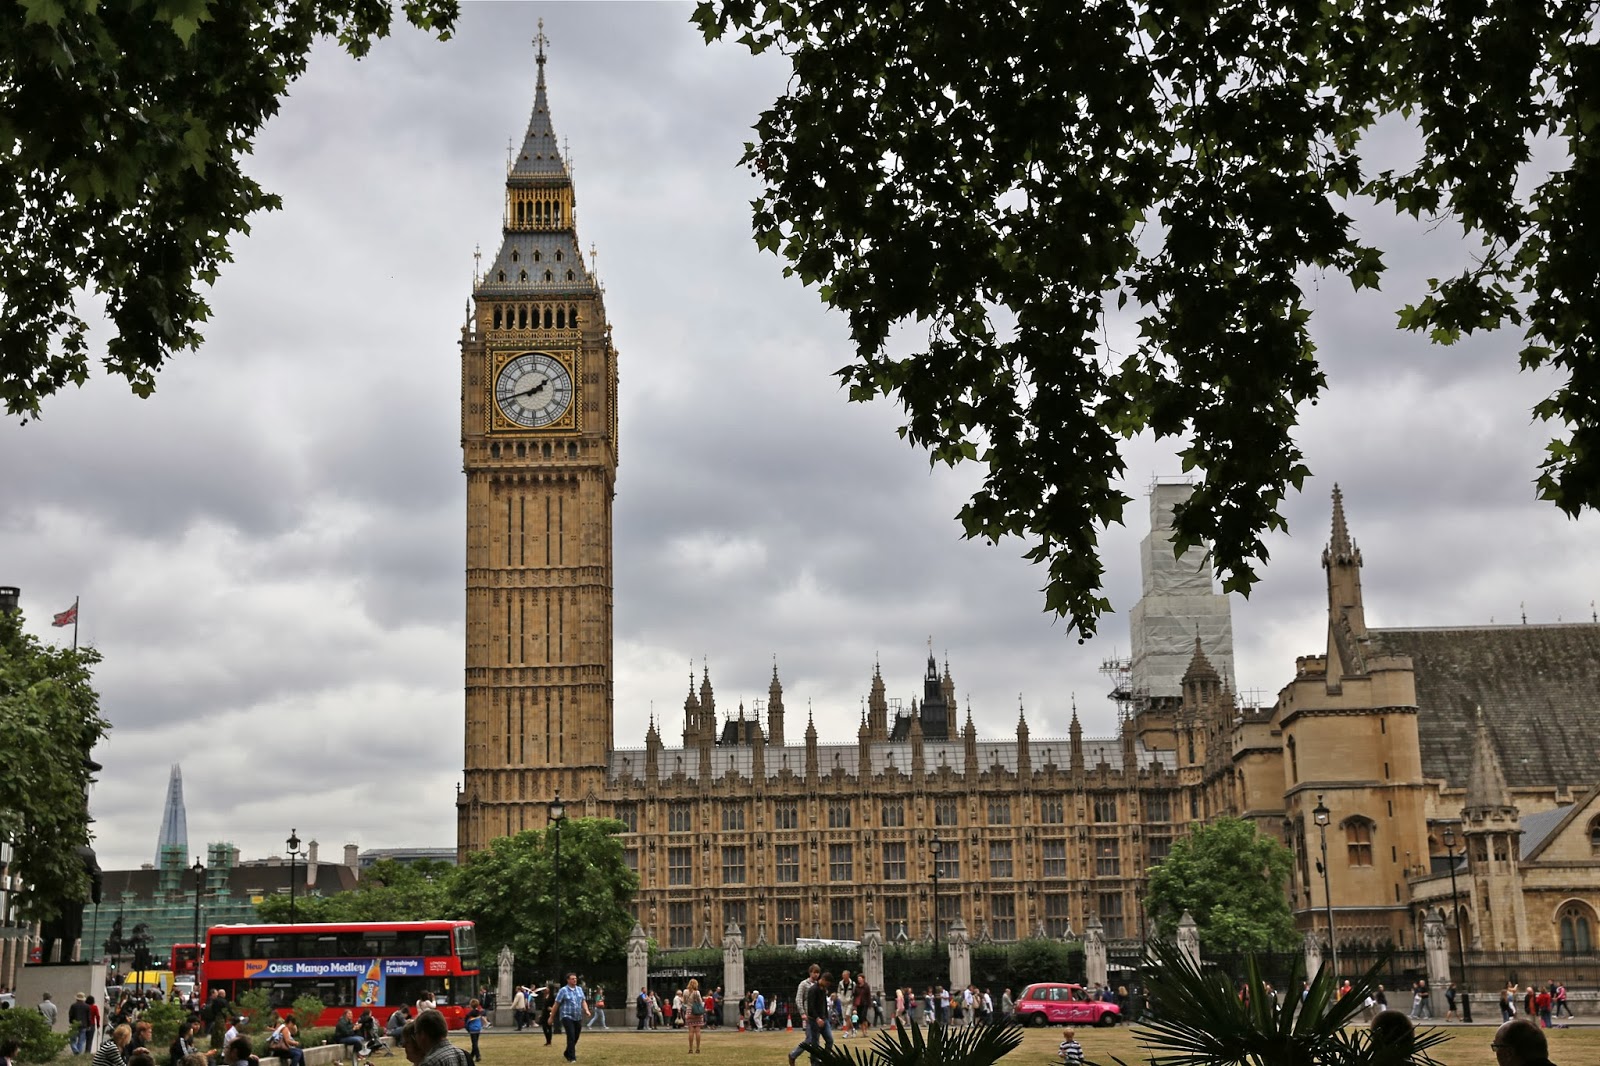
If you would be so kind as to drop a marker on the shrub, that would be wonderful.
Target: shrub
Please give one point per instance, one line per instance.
(164, 1016)
(29, 1029)
(306, 1011)
(256, 1005)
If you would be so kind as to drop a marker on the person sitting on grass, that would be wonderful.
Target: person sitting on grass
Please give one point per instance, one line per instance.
(1071, 1051)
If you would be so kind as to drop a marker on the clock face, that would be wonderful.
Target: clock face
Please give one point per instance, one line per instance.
(533, 390)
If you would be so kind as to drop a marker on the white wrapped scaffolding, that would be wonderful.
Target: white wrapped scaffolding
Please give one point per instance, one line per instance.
(1178, 601)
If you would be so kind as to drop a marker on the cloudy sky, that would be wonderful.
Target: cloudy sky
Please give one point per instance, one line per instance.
(269, 550)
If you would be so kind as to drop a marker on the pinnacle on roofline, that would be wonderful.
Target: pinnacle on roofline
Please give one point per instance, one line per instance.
(1340, 547)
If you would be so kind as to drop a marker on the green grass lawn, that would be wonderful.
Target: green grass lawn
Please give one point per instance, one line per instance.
(1469, 1046)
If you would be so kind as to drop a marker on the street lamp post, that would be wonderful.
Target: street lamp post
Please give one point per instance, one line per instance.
(935, 847)
(1321, 813)
(558, 814)
(294, 853)
(199, 869)
(1455, 914)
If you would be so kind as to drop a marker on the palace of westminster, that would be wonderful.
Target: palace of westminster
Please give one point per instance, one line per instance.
(1467, 746)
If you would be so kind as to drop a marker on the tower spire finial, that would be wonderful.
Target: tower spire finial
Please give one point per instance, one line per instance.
(539, 41)
(1339, 545)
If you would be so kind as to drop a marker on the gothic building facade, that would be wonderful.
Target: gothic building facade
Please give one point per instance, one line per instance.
(918, 821)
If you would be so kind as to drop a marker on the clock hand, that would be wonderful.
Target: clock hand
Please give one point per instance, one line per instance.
(529, 391)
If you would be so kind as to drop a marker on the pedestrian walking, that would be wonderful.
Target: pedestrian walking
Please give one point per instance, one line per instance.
(473, 1024)
(571, 1005)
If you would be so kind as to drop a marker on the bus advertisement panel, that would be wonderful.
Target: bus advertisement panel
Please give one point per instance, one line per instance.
(375, 966)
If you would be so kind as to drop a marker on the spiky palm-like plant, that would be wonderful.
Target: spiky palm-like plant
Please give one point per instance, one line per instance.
(1201, 1021)
(972, 1045)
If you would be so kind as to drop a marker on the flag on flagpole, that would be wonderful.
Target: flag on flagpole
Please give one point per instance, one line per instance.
(69, 617)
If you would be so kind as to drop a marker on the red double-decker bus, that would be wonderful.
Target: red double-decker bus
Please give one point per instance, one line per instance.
(185, 959)
(356, 965)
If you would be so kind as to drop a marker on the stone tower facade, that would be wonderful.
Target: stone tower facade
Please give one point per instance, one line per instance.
(539, 447)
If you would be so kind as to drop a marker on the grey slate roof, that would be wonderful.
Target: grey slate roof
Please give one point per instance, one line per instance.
(1539, 687)
(546, 243)
(1536, 827)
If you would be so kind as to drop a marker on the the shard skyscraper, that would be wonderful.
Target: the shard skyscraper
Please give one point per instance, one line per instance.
(174, 822)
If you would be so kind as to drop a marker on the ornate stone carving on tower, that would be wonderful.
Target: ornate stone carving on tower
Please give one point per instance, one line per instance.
(538, 439)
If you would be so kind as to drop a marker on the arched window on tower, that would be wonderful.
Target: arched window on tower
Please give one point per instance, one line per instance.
(537, 255)
(1294, 763)
(1358, 840)
(561, 318)
(515, 255)
(497, 317)
(1594, 835)
(547, 311)
(1577, 930)
(522, 276)
(558, 255)
(549, 276)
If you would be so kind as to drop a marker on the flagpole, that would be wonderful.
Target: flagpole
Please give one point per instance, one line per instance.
(75, 623)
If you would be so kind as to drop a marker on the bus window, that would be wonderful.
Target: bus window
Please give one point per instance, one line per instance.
(467, 947)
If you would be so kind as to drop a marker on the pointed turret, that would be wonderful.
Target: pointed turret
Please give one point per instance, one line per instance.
(864, 749)
(708, 701)
(947, 689)
(938, 713)
(691, 714)
(758, 758)
(1487, 794)
(775, 707)
(1075, 735)
(969, 747)
(1492, 826)
(878, 705)
(540, 157)
(652, 753)
(1024, 756)
(811, 747)
(539, 254)
(1202, 685)
(1347, 620)
(919, 765)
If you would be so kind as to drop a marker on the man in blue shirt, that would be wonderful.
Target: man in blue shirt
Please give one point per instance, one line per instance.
(758, 1011)
(571, 1006)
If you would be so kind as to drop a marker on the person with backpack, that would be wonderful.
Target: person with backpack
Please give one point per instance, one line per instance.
(473, 1024)
(694, 1014)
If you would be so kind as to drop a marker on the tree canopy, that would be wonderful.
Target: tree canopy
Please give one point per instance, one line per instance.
(509, 890)
(1231, 879)
(125, 124)
(388, 891)
(1006, 175)
(50, 719)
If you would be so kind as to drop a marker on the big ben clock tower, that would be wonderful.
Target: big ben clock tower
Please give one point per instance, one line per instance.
(538, 440)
